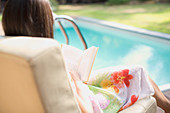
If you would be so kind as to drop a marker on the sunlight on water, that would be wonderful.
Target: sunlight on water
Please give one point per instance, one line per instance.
(138, 55)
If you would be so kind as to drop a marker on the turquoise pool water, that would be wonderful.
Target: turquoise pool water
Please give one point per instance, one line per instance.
(119, 47)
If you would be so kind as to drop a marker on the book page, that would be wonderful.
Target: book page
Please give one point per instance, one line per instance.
(79, 61)
(72, 57)
(86, 63)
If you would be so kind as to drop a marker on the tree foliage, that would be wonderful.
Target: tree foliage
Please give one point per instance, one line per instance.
(54, 5)
(111, 2)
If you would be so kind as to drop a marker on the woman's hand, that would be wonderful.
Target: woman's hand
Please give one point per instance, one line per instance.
(81, 91)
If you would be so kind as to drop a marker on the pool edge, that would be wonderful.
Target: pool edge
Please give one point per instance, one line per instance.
(124, 27)
(165, 87)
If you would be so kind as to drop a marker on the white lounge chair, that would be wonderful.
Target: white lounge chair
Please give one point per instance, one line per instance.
(33, 79)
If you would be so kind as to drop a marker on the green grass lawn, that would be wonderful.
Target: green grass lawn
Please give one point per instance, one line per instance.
(154, 17)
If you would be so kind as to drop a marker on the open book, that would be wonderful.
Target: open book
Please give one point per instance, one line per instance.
(79, 61)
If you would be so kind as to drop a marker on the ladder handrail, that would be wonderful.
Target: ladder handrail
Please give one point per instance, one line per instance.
(68, 18)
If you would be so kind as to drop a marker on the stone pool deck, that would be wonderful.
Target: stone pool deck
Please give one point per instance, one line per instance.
(166, 93)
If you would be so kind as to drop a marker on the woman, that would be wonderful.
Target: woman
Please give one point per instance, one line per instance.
(28, 18)
(34, 18)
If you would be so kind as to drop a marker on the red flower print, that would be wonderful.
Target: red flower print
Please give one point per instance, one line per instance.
(133, 100)
(121, 77)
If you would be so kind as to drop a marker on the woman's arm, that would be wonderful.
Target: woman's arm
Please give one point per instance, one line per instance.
(162, 101)
(81, 93)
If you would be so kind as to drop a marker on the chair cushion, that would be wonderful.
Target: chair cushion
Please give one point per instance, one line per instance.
(145, 105)
(46, 61)
(19, 93)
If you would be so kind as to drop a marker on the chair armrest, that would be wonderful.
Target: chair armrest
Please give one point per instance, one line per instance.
(145, 105)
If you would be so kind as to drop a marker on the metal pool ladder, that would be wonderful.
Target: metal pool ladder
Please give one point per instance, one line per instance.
(76, 28)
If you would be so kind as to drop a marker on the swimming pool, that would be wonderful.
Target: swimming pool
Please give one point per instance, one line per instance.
(121, 47)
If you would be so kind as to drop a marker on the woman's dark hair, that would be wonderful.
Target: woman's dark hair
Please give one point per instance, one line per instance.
(28, 18)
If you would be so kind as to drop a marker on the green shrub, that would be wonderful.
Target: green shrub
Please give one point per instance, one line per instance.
(143, 0)
(54, 5)
(111, 2)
